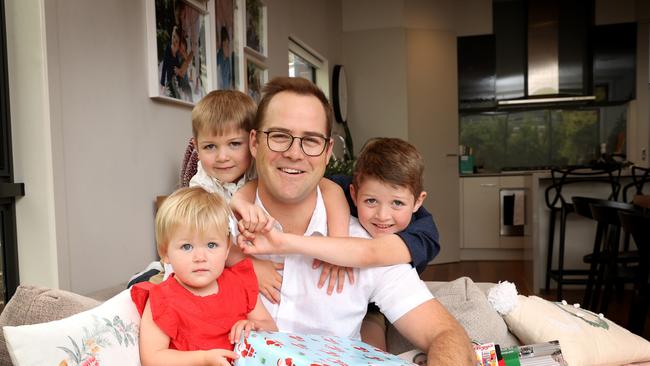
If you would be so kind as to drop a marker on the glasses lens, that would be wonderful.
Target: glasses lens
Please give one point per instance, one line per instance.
(279, 141)
(313, 145)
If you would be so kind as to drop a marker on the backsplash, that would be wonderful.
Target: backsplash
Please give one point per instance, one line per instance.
(529, 139)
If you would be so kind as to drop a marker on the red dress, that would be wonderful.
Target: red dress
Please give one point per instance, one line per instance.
(200, 323)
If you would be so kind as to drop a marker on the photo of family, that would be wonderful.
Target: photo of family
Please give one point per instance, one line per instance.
(226, 45)
(256, 26)
(181, 49)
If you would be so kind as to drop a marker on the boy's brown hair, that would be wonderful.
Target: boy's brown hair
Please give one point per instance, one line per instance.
(221, 111)
(294, 85)
(390, 160)
(193, 207)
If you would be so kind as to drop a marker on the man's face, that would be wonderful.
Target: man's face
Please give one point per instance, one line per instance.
(290, 176)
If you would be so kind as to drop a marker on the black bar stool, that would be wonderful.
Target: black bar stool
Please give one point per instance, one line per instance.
(612, 262)
(557, 204)
(637, 225)
(640, 176)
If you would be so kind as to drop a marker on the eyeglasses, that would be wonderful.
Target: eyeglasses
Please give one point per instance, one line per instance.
(281, 141)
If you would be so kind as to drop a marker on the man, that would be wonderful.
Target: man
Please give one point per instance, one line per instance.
(292, 145)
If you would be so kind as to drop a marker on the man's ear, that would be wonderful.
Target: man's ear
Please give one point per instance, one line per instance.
(329, 149)
(353, 194)
(252, 143)
(419, 201)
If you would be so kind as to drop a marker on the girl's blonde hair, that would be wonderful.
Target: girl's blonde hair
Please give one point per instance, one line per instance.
(191, 207)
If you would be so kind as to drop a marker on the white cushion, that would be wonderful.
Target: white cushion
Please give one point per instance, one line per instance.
(585, 339)
(104, 335)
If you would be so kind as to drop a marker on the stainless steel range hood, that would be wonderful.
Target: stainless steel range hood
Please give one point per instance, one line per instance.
(558, 70)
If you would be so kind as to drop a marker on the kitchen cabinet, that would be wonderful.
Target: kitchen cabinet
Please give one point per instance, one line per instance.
(509, 24)
(481, 209)
(614, 64)
(476, 73)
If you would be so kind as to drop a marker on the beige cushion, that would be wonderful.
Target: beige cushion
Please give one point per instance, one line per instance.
(468, 303)
(31, 305)
(584, 338)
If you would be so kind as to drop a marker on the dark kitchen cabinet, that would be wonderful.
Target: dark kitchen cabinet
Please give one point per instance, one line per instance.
(614, 62)
(476, 72)
(510, 48)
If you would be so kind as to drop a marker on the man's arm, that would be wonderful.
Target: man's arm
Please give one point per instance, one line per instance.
(430, 327)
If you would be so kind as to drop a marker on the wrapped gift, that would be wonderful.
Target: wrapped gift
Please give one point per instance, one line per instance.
(290, 349)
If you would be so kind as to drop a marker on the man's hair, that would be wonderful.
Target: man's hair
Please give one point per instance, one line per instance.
(222, 111)
(298, 86)
(390, 160)
(191, 207)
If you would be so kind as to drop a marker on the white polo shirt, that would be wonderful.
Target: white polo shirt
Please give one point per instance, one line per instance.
(304, 308)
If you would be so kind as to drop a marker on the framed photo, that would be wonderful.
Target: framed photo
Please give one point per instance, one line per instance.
(256, 26)
(227, 44)
(256, 77)
(178, 41)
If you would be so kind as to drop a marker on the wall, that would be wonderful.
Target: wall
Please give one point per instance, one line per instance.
(91, 147)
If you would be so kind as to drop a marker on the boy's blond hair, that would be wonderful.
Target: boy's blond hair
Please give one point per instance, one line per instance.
(390, 160)
(221, 111)
(193, 207)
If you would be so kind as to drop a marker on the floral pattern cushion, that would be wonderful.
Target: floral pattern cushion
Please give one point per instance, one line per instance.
(105, 335)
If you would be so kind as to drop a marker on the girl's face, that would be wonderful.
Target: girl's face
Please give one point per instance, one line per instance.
(198, 258)
(224, 157)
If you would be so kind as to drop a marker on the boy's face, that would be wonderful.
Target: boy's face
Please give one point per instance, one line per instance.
(383, 208)
(198, 258)
(224, 157)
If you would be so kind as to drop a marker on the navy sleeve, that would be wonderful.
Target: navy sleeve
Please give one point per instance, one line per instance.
(344, 182)
(421, 239)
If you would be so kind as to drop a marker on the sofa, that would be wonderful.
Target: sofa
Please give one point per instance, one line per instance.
(466, 300)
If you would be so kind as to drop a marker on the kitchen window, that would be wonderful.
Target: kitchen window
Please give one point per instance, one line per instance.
(306, 63)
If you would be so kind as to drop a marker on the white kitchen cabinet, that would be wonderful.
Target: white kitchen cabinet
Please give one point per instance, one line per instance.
(481, 209)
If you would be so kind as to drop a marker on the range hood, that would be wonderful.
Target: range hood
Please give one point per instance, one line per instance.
(557, 66)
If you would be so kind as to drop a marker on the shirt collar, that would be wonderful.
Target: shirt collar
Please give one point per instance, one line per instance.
(317, 223)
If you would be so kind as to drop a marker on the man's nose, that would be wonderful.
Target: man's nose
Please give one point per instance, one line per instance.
(294, 151)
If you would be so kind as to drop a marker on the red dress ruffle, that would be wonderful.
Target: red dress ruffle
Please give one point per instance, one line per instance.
(200, 323)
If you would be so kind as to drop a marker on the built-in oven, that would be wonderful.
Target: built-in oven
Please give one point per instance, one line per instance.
(512, 211)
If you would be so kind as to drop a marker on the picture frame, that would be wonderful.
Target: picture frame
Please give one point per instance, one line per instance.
(227, 44)
(256, 27)
(256, 76)
(179, 50)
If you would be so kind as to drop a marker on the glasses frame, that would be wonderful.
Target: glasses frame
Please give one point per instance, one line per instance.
(328, 140)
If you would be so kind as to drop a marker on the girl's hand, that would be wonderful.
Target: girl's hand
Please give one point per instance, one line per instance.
(269, 279)
(336, 276)
(241, 325)
(269, 242)
(219, 357)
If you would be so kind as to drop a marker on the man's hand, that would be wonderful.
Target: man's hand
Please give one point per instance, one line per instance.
(242, 325)
(253, 218)
(336, 276)
(269, 279)
(218, 357)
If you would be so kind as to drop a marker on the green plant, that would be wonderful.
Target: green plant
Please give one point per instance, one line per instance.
(339, 167)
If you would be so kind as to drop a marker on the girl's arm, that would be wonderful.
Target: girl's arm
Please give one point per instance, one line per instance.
(258, 319)
(154, 348)
(336, 205)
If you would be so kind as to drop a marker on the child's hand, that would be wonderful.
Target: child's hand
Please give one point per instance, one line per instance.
(266, 242)
(241, 325)
(269, 279)
(336, 276)
(219, 357)
(253, 218)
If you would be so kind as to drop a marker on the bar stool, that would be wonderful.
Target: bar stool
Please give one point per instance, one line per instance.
(640, 176)
(557, 204)
(612, 262)
(637, 225)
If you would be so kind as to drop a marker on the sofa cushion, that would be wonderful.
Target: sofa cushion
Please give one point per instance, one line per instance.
(468, 303)
(104, 335)
(585, 338)
(31, 305)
